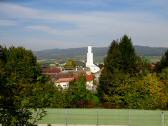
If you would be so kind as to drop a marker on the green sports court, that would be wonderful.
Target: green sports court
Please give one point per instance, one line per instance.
(113, 117)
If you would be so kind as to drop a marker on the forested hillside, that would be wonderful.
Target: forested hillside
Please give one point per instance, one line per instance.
(99, 52)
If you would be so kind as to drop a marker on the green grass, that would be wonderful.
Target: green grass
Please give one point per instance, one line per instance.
(105, 117)
(153, 59)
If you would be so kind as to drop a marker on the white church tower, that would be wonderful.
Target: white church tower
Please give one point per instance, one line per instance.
(89, 63)
(89, 57)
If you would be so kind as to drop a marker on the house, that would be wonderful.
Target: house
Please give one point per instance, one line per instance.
(51, 70)
(63, 74)
(89, 80)
(63, 78)
(64, 82)
(153, 66)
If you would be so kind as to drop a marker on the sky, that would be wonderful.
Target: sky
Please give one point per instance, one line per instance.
(48, 24)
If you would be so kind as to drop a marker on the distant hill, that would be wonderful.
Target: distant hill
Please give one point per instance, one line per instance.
(150, 51)
(99, 53)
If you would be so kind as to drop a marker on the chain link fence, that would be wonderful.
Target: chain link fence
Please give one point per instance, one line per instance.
(101, 117)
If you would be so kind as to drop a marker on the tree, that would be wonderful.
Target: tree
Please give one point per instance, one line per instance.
(164, 74)
(113, 59)
(21, 65)
(111, 68)
(129, 59)
(120, 64)
(1, 52)
(70, 64)
(163, 63)
(154, 91)
(78, 96)
(18, 70)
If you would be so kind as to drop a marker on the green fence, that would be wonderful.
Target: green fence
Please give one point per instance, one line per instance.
(106, 117)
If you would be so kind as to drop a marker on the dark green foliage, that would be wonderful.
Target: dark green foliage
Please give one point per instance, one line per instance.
(113, 58)
(129, 59)
(70, 64)
(163, 63)
(1, 52)
(125, 81)
(120, 64)
(164, 74)
(78, 93)
(111, 68)
(21, 65)
(79, 97)
(121, 57)
(18, 71)
(37, 95)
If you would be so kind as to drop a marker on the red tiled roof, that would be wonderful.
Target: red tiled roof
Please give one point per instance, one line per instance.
(89, 77)
(65, 79)
(51, 70)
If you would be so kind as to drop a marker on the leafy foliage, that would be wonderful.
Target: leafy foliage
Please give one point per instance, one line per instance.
(125, 81)
(121, 60)
(163, 63)
(19, 71)
(79, 96)
(70, 64)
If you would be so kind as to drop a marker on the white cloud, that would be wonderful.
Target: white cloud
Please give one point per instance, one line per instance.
(96, 27)
(23, 12)
(7, 22)
(43, 28)
(17, 11)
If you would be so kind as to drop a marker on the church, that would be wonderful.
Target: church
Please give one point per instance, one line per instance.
(89, 63)
(92, 70)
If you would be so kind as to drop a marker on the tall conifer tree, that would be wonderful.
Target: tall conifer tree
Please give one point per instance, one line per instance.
(111, 67)
(120, 63)
(128, 56)
(164, 62)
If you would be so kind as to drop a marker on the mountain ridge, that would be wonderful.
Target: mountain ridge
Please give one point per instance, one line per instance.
(99, 52)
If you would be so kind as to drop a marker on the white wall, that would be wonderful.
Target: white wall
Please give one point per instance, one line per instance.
(64, 85)
(89, 85)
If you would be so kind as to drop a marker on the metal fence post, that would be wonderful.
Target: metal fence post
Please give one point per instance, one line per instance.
(129, 118)
(162, 117)
(97, 119)
(66, 117)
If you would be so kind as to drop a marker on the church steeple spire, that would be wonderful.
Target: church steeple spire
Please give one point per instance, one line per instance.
(89, 63)
(89, 57)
